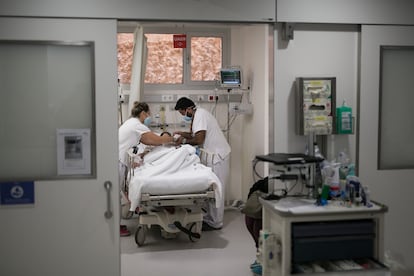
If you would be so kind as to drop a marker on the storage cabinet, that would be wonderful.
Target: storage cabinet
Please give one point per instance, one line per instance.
(301, 238)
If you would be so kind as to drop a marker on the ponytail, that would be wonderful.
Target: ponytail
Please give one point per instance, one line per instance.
(138, 108)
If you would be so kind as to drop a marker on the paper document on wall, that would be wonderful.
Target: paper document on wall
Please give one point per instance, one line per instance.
(73, 151)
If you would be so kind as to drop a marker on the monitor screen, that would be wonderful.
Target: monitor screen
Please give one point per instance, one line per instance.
(230, 77)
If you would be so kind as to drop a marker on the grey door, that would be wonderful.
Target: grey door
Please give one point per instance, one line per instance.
(72, 225)
(386, 148)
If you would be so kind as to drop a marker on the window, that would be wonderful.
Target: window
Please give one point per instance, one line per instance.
(396, 146)
(196, 66)
(164, 62)
(125, 50)
(206, 58)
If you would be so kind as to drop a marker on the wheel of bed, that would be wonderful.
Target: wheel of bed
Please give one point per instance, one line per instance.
(195, 230)
(140, 234)
(191, 231)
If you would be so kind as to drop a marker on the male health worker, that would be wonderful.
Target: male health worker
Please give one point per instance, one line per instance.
(205, 132)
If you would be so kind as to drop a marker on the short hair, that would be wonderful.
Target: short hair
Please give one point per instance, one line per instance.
(184, 103)
(138, 108)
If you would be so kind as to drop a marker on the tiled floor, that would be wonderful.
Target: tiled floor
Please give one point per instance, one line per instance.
(228, 251)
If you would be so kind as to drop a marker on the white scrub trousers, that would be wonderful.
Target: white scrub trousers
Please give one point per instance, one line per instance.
(214, 216)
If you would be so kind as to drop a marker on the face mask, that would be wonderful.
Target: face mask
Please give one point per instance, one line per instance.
(188, 117)
(147, 121)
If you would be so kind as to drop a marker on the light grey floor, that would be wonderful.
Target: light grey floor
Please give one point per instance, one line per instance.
(228, 251)
(225, 252)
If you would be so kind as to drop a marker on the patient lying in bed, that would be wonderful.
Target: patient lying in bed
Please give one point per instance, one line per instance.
(171, 170)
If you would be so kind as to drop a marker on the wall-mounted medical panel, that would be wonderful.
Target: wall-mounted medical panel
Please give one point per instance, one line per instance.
(315, 105)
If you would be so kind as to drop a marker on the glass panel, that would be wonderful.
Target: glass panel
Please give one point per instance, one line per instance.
(164, 62)
(43, 87)
(125, 54)
(206, 58)
(396, 130)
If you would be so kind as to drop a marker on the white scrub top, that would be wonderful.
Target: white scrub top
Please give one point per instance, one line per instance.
(215, 141)
(129, 135)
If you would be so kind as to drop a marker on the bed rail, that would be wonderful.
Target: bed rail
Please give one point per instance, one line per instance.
(177, 200)
(207, 158)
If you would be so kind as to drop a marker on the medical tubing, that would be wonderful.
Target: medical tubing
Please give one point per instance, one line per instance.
(185, 230)
(255, 161)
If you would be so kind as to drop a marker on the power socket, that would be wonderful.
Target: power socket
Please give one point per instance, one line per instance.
(200, 98)
(167, 98)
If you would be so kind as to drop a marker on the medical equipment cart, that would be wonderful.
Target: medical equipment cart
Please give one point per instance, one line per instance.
(302, 238)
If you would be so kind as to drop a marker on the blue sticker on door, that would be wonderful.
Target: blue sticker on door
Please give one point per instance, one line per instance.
(17, 193)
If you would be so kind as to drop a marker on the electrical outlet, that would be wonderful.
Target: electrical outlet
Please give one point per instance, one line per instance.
(233, 108)
(200, 98)
(167, 98)
(240, 108)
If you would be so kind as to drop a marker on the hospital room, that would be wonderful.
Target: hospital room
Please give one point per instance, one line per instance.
(233, 138)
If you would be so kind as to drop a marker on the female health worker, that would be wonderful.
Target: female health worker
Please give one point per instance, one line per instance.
(206, 133)
(132, 132)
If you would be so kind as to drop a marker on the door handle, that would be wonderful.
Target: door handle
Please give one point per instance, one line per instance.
(108, 213)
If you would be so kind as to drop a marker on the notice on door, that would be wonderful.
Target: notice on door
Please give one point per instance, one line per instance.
(73, 151)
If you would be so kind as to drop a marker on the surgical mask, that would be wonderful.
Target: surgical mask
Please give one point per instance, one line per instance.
(148, 121)
(187, 118)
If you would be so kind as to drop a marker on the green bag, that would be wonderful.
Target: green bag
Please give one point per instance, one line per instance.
(253, 207)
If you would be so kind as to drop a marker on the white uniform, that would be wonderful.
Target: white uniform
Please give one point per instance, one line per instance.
(215, 142)
(129, 135)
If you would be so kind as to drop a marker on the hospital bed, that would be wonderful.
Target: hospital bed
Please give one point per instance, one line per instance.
(170, 189)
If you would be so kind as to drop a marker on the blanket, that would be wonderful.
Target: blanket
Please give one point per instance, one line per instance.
(172, 171)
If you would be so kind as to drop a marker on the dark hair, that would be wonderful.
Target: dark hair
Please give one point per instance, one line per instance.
(138, 108)
(184, 103)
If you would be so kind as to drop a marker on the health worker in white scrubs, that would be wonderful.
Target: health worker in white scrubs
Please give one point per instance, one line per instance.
(131, 133)
(206, 133)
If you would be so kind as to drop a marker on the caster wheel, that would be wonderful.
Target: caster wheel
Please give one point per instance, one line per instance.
(140, 234)
(195, 231)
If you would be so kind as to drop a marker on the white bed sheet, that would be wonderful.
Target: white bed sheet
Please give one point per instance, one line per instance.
(170, 170)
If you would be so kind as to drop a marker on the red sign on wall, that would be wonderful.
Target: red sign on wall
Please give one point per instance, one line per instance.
(180, 41)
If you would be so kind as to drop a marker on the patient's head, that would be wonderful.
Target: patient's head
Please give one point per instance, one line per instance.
(165, 133)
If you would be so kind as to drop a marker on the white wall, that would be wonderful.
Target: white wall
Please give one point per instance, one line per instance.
(251, 135)
(315, 51)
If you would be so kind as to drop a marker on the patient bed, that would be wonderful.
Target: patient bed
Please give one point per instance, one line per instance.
(170, 189)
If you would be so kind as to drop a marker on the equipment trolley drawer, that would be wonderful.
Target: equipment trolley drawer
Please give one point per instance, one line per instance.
(348, 267)
(333, 240)
(333, 228)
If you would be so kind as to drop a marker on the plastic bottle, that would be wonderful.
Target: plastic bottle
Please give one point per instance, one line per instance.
(366, 196)
(344, 119)
(335, 189)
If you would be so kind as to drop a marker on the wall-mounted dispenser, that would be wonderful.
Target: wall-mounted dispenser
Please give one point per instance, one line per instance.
(315, 100)
(344, 119)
